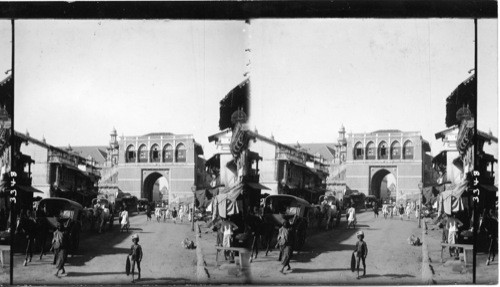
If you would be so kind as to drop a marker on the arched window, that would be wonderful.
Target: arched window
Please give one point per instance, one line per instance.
(155, 154)
(180, 153)
(396, 150)
(370, 150)
(143, 153)
(168, 153)
(383, 152)
(130, 154)
(358, 151)
(408, 150)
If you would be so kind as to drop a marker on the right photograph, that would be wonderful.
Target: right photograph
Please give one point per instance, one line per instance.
(376, 142)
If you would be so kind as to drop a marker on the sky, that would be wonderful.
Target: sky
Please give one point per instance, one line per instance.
(309, 77)
(76, 80)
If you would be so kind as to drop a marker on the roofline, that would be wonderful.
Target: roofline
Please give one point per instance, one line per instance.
(487, 136)
(266, 139)
(46, 145)
(211, 138)
(440, 134)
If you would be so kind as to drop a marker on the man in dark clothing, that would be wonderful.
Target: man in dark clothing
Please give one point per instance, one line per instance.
(361, 252)
(491, 226)
(60, 246)
(285, 241)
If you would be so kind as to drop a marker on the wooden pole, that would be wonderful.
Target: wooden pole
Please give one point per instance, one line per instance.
(474, 160)
(12, 167)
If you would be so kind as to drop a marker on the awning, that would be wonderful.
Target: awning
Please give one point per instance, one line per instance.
(451, 200)
(256, 185)
(28, 188)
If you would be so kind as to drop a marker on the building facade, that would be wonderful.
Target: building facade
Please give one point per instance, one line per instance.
(58, 172)
(137, 162)
(334, 155)
(373, 156)
(280, 168)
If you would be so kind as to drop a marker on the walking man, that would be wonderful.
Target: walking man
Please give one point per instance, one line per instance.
(351, 219)
(453, 225)
(401, 211)
(361, 252)
(227, 229)
(136, 256)
(491, 224)
(285, 240)
(59, 243)
(125, 223)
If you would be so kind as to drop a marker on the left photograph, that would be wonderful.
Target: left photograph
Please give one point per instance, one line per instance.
(6, 108)
(113, 125)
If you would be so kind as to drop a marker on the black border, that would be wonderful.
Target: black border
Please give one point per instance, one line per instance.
(251, 9)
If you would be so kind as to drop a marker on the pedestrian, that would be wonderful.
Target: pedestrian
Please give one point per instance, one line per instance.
(56, 242)
(375, 209)
(401, 211)
(174, 215)
(165, 214)
(408, 211)
(181, 213)
(59, 244)
(361, 251)
(282, 238)
(417, 211)
(228, 228)
(453, 225)
(490, 222)
(351, 219)
(158, 214)
(136, 256)
(444, 224)
(285, 241)
(148, 212)
(125, 223)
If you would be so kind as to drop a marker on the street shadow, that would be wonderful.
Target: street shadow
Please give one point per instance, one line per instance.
(303, 270)
(163, 279)
(315, 243)
(389, 275)
(81, 259)
(79, 274)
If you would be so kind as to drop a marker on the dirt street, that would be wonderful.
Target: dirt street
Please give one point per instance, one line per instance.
(326, 258)
(101, 258)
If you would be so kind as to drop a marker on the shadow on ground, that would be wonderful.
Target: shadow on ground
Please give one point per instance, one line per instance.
(315, 243)
(303, 270)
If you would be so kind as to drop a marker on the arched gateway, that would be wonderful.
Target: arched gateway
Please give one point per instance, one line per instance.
(377, 176)
(149, 178)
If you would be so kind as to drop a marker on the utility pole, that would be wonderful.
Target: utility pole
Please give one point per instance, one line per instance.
(476, 165)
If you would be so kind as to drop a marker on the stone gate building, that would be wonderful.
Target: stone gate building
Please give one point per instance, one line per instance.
(372, 156)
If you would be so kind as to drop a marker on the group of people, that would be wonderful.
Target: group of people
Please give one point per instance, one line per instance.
(400, 210)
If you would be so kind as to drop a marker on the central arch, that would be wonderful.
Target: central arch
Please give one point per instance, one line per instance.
(383, 182)
(151, 179)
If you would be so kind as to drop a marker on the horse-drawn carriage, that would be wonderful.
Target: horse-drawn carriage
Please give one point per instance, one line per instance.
(328, 210)
(102, 213)
(279, 208)
(68, 213)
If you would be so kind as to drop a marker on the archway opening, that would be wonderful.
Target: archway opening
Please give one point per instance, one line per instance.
(155, 187)
(383, 184)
